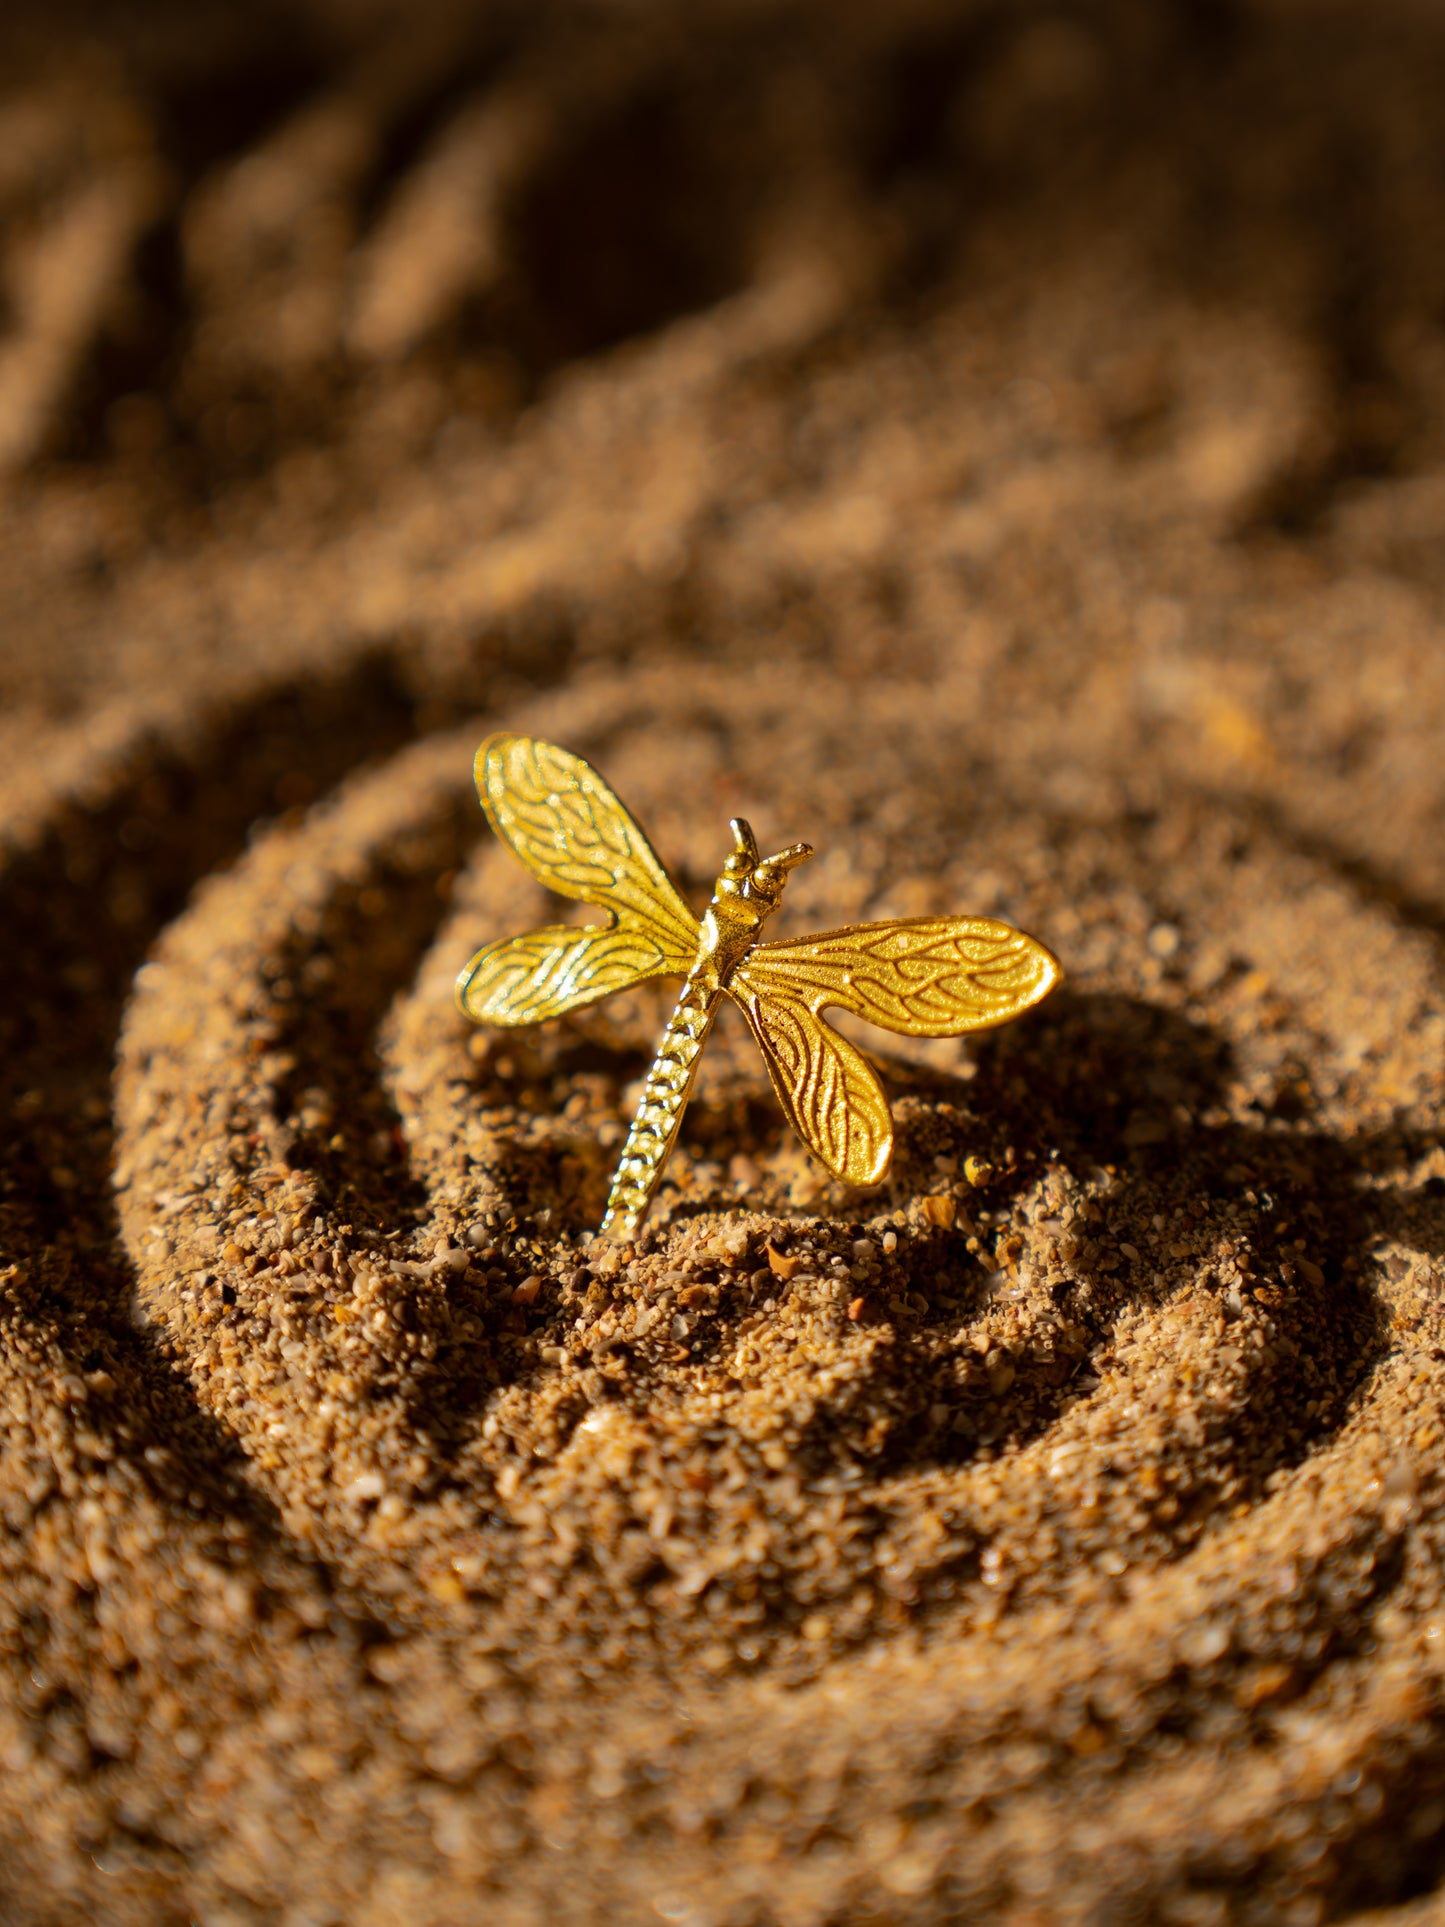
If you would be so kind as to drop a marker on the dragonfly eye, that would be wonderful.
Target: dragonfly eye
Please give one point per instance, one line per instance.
(745, 853)
(786, 860)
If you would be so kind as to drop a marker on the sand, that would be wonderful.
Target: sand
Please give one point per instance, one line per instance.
(1005, 448)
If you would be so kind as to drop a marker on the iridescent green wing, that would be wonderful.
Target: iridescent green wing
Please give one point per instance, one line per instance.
(558, 816)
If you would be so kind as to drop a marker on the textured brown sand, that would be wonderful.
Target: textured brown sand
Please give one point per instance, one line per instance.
(1004, 446)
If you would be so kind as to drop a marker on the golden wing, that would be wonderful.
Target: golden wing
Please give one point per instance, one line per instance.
(828, 1091)
(523, 980)
(558, 816)
(923, 977)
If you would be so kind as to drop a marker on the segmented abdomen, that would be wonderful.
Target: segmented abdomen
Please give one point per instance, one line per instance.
(664, 1098)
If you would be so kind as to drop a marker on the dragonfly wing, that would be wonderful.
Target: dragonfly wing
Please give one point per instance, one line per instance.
(522, 980)
(827, 1089)
(556, 814)
(921, 976)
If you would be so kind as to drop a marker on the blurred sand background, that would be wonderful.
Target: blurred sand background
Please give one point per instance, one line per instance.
(1003, 444)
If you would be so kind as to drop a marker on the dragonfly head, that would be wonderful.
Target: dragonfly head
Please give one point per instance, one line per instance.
(754, 879)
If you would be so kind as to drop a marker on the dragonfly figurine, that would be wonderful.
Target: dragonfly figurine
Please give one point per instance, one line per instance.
(919, 976)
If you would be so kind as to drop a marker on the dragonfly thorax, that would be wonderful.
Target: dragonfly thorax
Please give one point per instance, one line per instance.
(749, 888)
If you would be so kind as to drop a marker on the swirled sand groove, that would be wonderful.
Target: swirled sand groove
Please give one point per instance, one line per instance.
(1062, 1409)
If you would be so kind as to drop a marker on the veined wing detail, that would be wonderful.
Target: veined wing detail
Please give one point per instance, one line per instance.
(555, 813)
(522, 980)
(827, 1089)
(922, 976)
